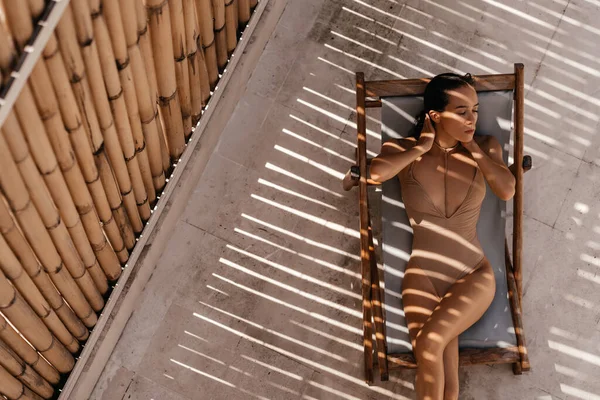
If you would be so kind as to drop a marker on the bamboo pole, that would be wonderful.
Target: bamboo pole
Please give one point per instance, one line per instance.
(205, 22)
(112, 145)
(59, 138)
(253, 3)
(180, 52)
(236, 5)
(18, 244)
(12, 268)
(162, 46)
(83, 150)
(39, 238)
(120, 115)
(56, 130)
(7, 50)
(144, 95)
(36, 8)
(23, 372)
(32, 328)
(19, 20)
(109, 182)
(199, 85)
(13, 389)
(27, 353)
(43, 155)
(88, 85)
(244, 11)
(114, 22)
(220, 33)
(231, 18)
(78, 212)
(146, 49)
(68, 37)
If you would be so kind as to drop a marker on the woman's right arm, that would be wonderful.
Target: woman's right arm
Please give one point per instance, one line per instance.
(397, 155)
(394, 157)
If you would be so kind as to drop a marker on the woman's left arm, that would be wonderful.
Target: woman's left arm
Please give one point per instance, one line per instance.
(488, 156)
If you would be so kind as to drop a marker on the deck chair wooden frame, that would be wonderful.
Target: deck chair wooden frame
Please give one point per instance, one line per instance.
(369, 95)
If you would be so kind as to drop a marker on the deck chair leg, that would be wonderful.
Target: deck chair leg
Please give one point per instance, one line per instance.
(516, 315)
(365, 217)
(377, 306)
(367, 321)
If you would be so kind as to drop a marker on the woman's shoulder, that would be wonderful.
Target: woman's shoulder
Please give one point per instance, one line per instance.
(488, 143)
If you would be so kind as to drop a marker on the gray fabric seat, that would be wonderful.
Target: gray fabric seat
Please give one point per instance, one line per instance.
(495, 328)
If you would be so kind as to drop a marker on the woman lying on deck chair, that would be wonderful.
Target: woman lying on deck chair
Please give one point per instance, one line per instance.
(448, 282)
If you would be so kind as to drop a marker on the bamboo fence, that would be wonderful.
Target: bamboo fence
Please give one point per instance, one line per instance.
(87, 143)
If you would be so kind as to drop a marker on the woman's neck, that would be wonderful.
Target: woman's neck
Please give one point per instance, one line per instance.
(444, 141)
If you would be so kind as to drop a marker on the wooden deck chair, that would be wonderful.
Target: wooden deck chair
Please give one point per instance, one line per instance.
(498, 336)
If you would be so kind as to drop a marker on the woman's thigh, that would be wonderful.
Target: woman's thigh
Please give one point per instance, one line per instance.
(419, 299)
(464, 303)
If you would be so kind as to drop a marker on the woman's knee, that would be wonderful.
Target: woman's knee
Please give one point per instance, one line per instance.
(429, 347)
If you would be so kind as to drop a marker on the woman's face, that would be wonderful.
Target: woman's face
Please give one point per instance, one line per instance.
(460, 115)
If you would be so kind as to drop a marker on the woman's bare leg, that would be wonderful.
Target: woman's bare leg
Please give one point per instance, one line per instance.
(451, 370)
(419, 298)
(464, 303)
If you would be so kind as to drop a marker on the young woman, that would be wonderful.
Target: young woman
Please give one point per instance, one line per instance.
(448, 282)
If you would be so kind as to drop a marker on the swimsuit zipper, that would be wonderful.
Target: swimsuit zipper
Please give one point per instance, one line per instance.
(446, 184)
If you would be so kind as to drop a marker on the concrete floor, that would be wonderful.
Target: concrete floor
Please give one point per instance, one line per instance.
(257, 293)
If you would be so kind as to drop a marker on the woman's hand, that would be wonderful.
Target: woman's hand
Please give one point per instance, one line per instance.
(471, 145)
(425, 141)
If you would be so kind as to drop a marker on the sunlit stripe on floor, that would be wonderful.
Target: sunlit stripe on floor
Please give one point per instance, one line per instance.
(364, 61)
(580, 394)
(353, 73)
(336, 117)
(323, 131)
(326, 264)
(201, 354)
(278, 334)
(271, 367)
(573, 373)
(302, 238)
(356, 42)
(317, 145)
(329, 99)
(195, 336)
(301, 310)
(305, 360)
(224, 382)
(588, 258)
(293, 289)
(373, 34)
(297, 274)
(590, 276)
(295, 194)
(580, 301)
(300, 179)
(217, 290)
(326, 335)
(573, 352)
(319, 221)
(571, 63)
(300, 157)
(336, 392)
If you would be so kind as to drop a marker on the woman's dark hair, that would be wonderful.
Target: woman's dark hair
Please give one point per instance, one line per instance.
(436, 95)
